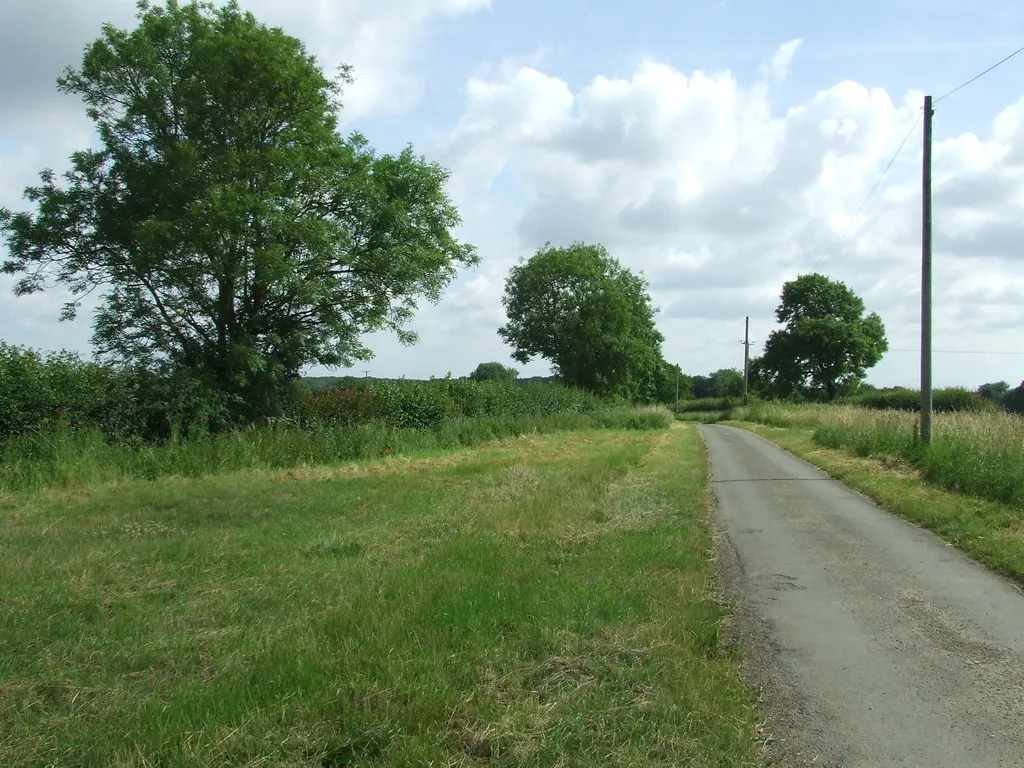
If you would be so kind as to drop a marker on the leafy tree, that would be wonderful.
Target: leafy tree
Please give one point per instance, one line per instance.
(726, 382)
(827, 344)
(226, 225)
(994, 391)
(759, 381)
(1013, 401)
(669, 380)
(591, 317)
(493, 372)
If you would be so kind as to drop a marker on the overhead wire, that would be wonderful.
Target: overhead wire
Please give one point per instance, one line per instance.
(979, 75)
(934, 351)
(960, 352)
(874, 188)
(846, 230)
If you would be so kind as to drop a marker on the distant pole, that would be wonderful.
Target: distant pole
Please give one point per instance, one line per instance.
(746, 357)
(926, 276)
(366, 374)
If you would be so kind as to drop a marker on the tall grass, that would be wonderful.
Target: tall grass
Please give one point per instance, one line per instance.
(977, 453)
(66, 458)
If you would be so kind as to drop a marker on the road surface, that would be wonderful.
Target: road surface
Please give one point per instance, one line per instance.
(874, 643)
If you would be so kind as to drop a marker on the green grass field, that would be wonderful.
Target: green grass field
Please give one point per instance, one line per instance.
(540, 601)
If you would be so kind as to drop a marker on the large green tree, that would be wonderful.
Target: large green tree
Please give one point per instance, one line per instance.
(592, 318)
(671, 384)
(994, 391)
(494, 372)
(827, 343)
(725, 382)
(1013, 400)
(225, 224)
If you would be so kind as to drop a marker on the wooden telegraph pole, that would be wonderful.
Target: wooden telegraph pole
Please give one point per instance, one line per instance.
(746, 356)
(926, 276)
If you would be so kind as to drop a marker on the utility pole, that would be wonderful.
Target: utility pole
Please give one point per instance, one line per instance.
(366, 374)
(926, 276)
(746, 356)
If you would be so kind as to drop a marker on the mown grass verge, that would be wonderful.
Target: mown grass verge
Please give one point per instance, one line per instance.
(991, 532)
(542, 601)
(71, 458)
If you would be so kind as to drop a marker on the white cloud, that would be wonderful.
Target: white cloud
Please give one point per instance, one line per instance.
(377, 37)
(719, 194)
(38, 38)
(782, 61)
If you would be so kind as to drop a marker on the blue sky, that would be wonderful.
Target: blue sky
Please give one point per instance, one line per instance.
(896, 44)
(576, 120)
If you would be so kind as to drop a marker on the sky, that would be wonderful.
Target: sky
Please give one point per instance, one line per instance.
(720, 147)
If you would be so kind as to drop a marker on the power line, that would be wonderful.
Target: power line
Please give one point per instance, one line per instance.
(959, 352)
(846, 230)
(979, 75)
(867, 197)
(935, 351)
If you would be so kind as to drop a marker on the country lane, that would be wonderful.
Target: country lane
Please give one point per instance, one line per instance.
(874, 642)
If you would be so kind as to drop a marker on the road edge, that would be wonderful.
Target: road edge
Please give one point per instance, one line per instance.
(981, 545)
(780, 740)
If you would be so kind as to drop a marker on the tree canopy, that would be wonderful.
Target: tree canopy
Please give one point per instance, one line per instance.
(592, 318)
(725, 382)
(994, 391)
(670, 382)
(1013, 400)
(493, 372)
(827, 343)
(226, 226)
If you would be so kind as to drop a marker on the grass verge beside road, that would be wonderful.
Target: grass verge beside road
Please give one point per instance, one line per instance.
(989, 531)
(541, 601)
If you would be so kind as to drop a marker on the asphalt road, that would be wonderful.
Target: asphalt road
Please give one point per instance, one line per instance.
(874, 642)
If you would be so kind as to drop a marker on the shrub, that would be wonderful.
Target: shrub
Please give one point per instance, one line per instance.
(423, 404)
(42, 391)
(707, 404)
(948, 400)
(344, 406)
(135, 407)
(493, 372)
(1013, 401)
(960, 400)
